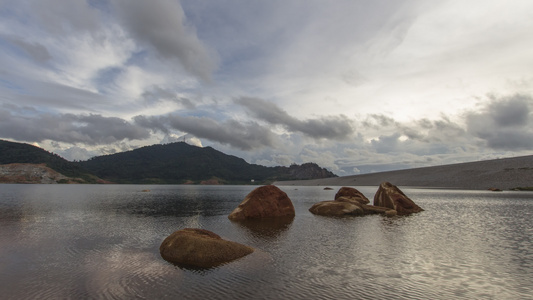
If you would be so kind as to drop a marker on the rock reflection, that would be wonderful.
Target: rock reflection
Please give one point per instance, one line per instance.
(250, 266)
(268, 228)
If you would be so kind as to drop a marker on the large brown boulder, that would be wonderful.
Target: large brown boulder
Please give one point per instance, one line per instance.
(351, 194)
(201, 248)
(390, 196)
(336, 209)
(263, 202)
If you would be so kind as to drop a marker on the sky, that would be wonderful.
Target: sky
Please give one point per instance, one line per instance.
(356, 86)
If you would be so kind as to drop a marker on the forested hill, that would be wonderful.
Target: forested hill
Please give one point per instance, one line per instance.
(182, 163)
(11, 152)
(174, 163)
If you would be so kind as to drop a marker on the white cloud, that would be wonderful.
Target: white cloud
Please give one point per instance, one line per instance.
(356, 86)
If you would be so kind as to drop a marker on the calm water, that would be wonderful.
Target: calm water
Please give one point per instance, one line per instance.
(102, 241)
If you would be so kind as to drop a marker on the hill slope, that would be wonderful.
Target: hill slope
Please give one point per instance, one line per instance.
(182, 163)
(20, 153)
(505, 173)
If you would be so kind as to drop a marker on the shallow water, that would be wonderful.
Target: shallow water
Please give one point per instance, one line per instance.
(102, 241)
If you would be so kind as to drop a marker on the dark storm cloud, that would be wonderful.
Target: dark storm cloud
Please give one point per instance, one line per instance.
(386, 144)
(161, 25)
(332, 127)
(245, 136)
(69, 128)
(158, 94)
(35, 51)
(504, 123)
(424, 130)
(443, 130)
(511, 112)
(154, 123)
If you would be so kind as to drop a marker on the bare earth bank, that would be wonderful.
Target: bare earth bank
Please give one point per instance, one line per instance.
(505, 173)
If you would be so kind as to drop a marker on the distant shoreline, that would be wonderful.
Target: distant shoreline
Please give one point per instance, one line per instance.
(505, 174)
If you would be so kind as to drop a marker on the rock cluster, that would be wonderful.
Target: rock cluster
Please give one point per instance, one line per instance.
(389, 201)
(205, 249)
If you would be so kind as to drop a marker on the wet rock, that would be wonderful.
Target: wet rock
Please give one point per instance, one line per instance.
(351, 194)
(372, 210)
(349, 202)
(191, 247)
(336, 209)
(390, 196)
(264, 202)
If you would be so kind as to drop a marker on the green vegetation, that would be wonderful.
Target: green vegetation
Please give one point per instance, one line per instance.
(175, 163)
(179, 163)
(11, 152)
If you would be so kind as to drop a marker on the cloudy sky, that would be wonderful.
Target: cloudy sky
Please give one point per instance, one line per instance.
(356, 86)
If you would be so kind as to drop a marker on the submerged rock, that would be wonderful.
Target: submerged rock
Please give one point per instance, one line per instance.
(264, 202)
(336, 208)
(372, 210)
(201, 248)
(390, 196)
(351, 195)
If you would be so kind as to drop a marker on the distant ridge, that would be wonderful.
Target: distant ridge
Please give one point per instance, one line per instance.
(181, 163)
(505, 173)
(174, 163)
(21, 153)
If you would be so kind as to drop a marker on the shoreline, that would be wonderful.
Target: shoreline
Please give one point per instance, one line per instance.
(505, 174)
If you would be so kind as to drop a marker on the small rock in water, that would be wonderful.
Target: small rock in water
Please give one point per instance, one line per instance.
(336, 208)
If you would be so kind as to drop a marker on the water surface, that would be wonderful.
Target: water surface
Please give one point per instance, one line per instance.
(102, 241)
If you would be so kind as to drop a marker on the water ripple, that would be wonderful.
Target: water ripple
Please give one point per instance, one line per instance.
(102, 243)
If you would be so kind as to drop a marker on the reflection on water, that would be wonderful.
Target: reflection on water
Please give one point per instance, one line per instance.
(269, 228)
(83, 241)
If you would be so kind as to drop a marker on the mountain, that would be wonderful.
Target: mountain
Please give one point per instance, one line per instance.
(174, 163)
(25, 154)
(178, 163)
(504, 173)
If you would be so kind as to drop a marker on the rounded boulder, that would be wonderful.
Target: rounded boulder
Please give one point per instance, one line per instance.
(200, 248)
(351, 194)
(264, 202)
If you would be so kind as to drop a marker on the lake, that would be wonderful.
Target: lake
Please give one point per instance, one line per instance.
(102, 242)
